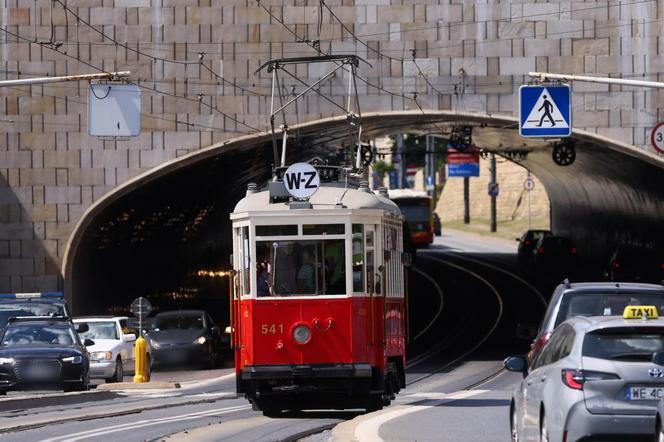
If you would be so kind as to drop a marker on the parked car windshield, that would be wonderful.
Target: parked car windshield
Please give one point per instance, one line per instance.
(18, 309)
(605, 304)
(624, 344)
(101, 330)
(183, 322)
(34, 334)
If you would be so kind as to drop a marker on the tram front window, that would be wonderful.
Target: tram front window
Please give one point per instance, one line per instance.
(307, 267)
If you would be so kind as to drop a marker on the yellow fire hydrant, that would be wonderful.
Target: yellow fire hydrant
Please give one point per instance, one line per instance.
(141, 372)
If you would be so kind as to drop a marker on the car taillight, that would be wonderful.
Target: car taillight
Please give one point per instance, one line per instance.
(573, 250)
(540, 250)
(616, 264)
(526, 243)
(576, 378)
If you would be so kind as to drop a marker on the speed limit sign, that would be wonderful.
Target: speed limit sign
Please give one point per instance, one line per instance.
(657, 138)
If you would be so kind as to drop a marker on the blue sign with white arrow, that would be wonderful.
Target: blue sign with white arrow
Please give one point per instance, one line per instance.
(545, 111)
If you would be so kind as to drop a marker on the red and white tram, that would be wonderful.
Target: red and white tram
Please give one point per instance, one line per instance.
(319, 299)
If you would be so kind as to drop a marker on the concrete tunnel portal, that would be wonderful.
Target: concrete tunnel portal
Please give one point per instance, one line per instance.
(165, 233)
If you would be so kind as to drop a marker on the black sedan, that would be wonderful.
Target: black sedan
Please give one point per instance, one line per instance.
(185, 337)
(43, 353)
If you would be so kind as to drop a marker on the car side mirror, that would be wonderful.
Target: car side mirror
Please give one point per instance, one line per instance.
(526, 331)
(516, 363)
(88, 342)
(517, 239)
(82, 327)
(130, 337)
(658, 358)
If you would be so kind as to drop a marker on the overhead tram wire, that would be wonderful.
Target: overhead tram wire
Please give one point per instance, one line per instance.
(138, 52)
(373, 34)
(155, 117)
(214, 108)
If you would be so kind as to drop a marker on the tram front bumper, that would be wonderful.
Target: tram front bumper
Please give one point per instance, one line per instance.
(294, 372)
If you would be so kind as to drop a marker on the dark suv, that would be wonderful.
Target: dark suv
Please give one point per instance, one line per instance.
(636, 264)
(527, 243)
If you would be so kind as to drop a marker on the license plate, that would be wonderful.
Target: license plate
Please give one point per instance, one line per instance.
(641, 393)
(40, 373)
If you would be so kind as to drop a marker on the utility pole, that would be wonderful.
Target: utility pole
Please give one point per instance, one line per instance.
(80, 77)
(492, 185)
(466, 200)
(544, 76)
(400, 164)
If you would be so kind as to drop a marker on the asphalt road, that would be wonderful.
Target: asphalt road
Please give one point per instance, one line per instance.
(467, 295)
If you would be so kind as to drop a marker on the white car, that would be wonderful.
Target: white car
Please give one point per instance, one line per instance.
(113, 354)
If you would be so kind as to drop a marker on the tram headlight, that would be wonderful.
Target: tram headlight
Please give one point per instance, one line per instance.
(302, 334)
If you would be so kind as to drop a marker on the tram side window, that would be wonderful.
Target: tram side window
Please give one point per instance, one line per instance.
(246, 261)
(358, 257)
(314, 267)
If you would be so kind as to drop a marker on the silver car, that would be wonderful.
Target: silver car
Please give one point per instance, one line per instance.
(590, 299)
(594, 380)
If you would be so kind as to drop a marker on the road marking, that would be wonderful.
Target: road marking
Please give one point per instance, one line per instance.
(367, 430)
(440, 307)
(145, 423)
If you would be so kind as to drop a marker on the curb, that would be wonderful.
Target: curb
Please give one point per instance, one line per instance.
(138, 386)
(12, 404)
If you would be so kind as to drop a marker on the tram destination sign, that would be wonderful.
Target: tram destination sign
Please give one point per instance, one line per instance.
(301, 180)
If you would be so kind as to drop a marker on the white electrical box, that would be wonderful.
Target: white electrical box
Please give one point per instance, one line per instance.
(114, 110)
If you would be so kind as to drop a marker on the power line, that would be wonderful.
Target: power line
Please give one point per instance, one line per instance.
(183, 62)
(512, 19)
(139, 85)
(144, 115)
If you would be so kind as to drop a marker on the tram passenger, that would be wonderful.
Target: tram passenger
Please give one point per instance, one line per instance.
(263, 278)
(305, 276)
(334, 265)
(284, 269)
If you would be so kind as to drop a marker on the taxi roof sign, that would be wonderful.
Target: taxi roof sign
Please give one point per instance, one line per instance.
(640, 311)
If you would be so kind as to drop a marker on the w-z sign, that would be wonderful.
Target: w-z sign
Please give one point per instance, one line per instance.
(301, 180)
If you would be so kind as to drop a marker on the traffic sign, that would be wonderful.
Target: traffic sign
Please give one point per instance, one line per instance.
(657, 138)
(494, 189)
(545, 111)
(463, 164)
(141, 308)
(428, 184)
(301, 180)
(529, 184)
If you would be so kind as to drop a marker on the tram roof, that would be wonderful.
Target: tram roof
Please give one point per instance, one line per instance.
(325, 198)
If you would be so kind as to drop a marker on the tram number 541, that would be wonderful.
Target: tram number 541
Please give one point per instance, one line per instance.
(272, 329)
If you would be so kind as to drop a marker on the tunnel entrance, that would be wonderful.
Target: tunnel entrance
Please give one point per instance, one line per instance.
(166, 234)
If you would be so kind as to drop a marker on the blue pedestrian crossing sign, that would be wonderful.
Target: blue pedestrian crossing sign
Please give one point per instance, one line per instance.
(545, 111)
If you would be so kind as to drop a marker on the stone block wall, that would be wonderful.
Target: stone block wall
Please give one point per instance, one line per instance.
(474, 55)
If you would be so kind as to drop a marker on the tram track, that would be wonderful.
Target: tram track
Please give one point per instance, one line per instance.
(441, 296)
(443, 344)
(499, 269)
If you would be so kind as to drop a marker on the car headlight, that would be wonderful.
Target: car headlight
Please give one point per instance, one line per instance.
(200, 340)
(101, 355)
(8, 361)
(301, 334)
(73, 359)
(155, 344)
